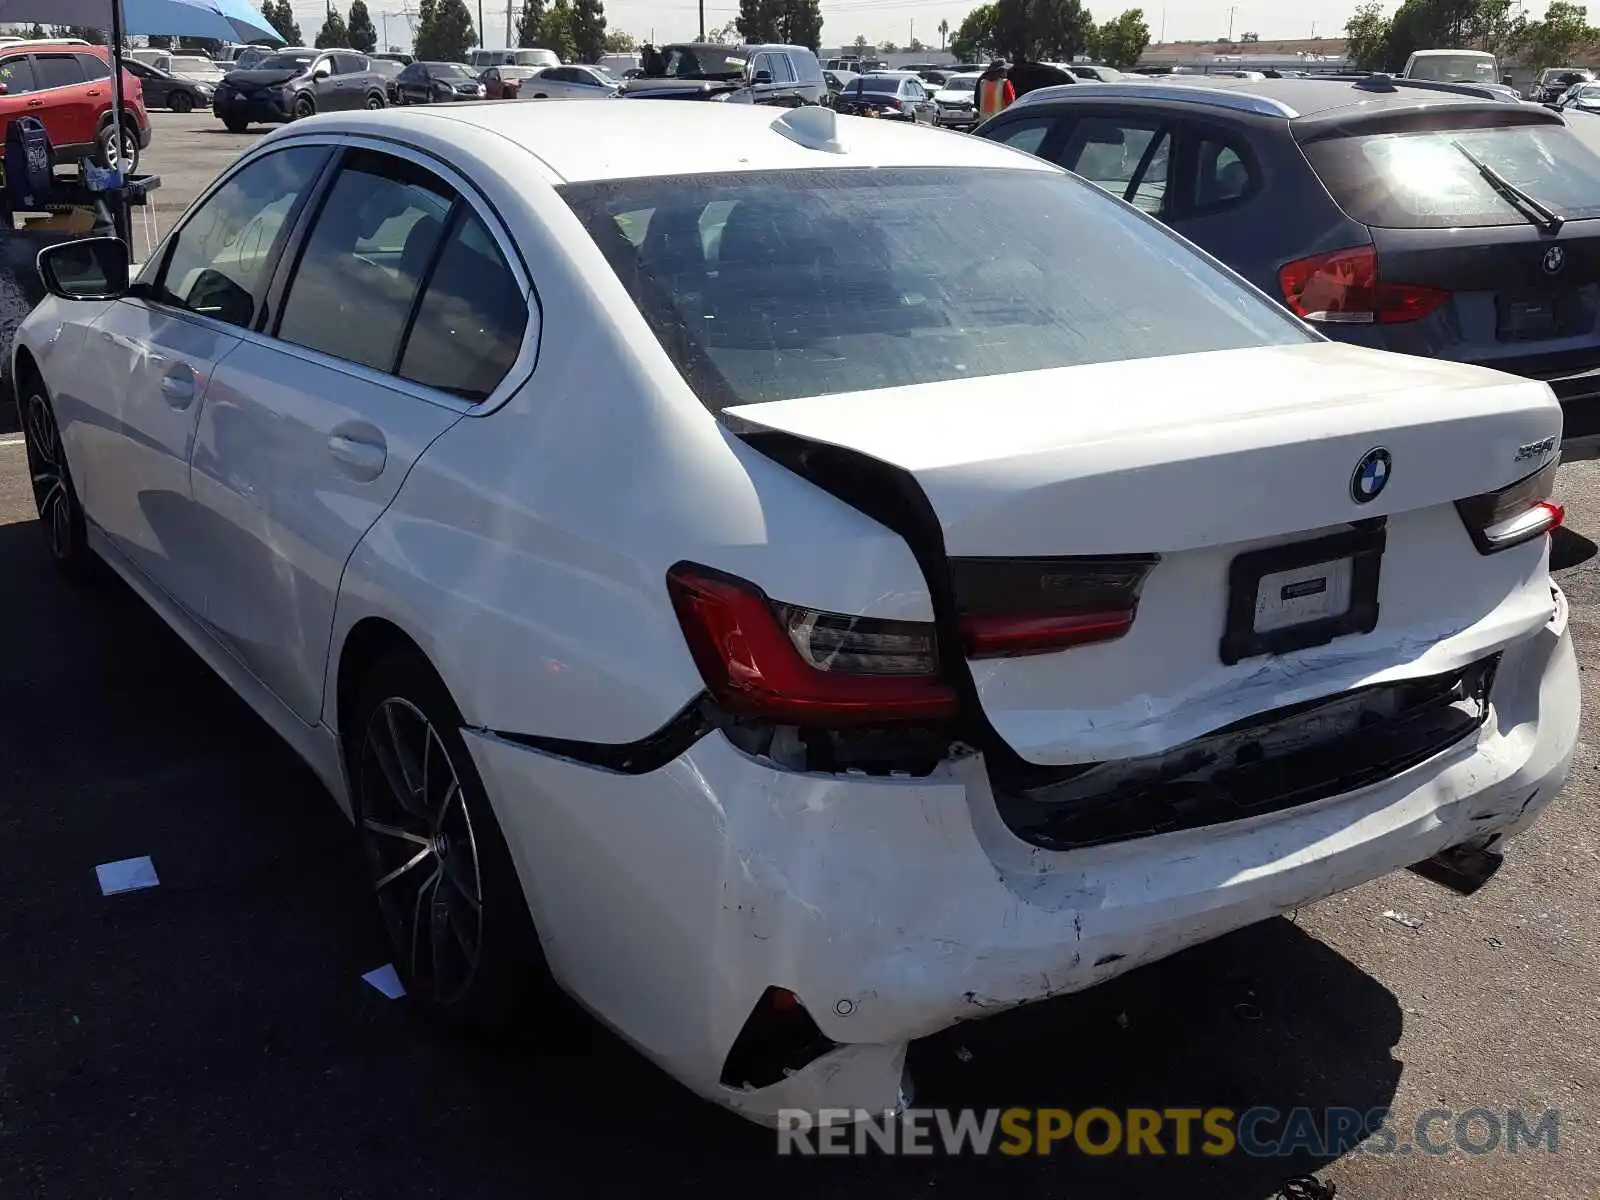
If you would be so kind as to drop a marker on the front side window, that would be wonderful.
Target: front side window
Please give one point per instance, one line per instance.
(773, 285)
(220, 257)
(364, 262)
(1027, 135)
(1128, 158)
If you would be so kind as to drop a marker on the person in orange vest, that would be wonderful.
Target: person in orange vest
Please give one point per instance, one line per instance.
(995, 90)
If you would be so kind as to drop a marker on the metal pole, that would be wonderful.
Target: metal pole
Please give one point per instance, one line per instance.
(480, 22)
(508, 25)
(119, 208)
(702, 20)
(1231, 11)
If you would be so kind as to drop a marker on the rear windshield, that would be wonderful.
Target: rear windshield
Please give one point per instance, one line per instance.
(889, 86)
(1454, 68)
(772, 285)
(1423, 181)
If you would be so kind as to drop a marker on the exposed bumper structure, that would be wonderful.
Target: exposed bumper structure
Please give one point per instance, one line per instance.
(893, 907)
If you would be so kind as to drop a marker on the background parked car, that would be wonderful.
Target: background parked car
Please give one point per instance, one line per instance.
(1094, 73)
(516, 57)
(66, 85)
(504, 83)
(194, 66)
(785, 76)
(1556, 81)
(570, 82)
(437, 83)
(405, 60)
(164, 90)
(956, 101)
(298, 83)
(1383, 224)
(390, 70)
(1580, 95)
(837, 81)
(897, 95)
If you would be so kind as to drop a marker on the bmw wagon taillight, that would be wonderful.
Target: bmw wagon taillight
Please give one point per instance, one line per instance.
(1015, 606)
(1342, 288)
(1499, 520)
(793, 665)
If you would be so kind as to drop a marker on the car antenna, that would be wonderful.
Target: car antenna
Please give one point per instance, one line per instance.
(812, 126)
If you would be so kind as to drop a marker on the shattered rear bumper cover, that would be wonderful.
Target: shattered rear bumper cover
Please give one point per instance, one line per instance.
(895, 907)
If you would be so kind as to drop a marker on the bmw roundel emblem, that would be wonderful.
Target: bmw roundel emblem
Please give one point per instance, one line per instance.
(1371, 475)
(1554, 259)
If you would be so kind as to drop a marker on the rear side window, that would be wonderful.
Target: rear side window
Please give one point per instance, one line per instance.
(57, 70)
(93, 67)
(806, 68)
(1422, 180)
(1223, 175)
(772, 285)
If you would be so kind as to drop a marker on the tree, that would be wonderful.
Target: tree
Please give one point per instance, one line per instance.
(1121, 42)
(444, 31)
(728, 35)
(363, 33)
(618, 42)
(530, 24)
(334, 31)
(799, 23)
(37, 33)
(1249, 37)
(757, 21)
(1555, 40)
(589, 29)
(280, 15)
(861, 44)
(95, 37)
(555, 32)
(1495, 28)
(915, 46)
(1367, 31)
(975, 39)
(888, 48)
(944, 28)
(1043, 30)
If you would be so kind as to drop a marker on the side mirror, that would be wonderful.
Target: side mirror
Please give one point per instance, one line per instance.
(4, 90)
(761, 77)
(1506, 79)
(86, 269)
(322, 73)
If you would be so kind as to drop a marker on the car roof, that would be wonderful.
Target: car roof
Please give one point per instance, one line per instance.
(581, 141)
(1271, 97)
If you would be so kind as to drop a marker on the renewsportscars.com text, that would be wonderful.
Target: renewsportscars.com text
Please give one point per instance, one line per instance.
(1214, 1132)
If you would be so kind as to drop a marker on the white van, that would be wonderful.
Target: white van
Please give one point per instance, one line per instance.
(619, 64)
(521, 57)
(1452, 66)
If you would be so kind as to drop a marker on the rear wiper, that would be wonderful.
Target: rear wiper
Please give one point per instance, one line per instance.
(1544, 217)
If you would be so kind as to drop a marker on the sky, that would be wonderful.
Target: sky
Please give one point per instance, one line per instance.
(898, 20)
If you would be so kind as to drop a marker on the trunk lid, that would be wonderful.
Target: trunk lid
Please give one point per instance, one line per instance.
(1200, 459)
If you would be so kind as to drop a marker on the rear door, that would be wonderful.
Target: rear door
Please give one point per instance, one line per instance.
(400, 313)
(16, 93)
(350, 73)
(61, 88)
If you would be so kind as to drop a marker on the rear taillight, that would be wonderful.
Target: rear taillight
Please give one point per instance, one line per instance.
(891, 103)
(1520, 513)
(1342, 288)
(1013, 606)
(801, 666)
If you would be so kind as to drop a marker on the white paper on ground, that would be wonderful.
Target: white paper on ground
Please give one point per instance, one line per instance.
(386, 980)
(126, 875)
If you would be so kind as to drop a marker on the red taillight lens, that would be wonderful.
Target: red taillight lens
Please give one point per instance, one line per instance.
(800, 666)
(891, 103)
(1014, 606)
(1342, 288)
(1520, 513)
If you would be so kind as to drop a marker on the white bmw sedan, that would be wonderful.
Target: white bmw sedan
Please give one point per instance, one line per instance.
(693, 544)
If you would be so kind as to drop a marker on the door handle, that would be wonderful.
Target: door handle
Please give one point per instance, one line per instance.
(177, 387)
(360, 450)
(35, 103)
(92, 92)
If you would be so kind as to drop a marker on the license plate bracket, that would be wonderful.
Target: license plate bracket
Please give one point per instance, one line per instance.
(1288, 598)
(1529, 316)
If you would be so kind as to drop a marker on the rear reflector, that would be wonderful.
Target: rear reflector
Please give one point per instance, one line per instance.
(799, 666)
(1342, 288)
(1015, 606)
(1520, 513)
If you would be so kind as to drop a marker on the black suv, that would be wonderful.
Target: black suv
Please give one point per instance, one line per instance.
(297, 83)
(1419, 217)
(784, 76)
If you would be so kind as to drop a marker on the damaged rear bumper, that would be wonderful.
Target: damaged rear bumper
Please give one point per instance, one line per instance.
(671, 902)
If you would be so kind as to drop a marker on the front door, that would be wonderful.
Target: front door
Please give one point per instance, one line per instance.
(153, 356)
(307, 435)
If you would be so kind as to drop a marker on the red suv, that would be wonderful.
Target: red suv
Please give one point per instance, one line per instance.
(67, 85)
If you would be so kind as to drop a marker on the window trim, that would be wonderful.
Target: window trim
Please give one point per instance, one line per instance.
(527, 358)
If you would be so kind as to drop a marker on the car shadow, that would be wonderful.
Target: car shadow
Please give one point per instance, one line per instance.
(216, 1029)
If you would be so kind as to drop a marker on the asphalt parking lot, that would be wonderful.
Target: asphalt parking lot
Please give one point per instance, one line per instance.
(212, 1036)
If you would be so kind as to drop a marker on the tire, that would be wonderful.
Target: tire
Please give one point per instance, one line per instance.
(471, 967)
(304, 106)
(54, 495)
(235, 125)
(375, 101)
(130, 144)
(181, 102)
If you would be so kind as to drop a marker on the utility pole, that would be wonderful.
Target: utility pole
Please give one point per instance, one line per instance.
(508, 24)
(1163, 37)
(384, 17)
(702, 20)
(1231, 11)
(913, 32)
(480, 22)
